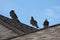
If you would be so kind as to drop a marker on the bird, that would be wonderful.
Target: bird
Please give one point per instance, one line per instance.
(33, 22)
(13, 15)
(46, 23)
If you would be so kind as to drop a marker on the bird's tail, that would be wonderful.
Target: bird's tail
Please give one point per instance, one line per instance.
(37, 26)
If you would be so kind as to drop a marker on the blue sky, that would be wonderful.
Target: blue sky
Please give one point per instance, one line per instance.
(39, 9)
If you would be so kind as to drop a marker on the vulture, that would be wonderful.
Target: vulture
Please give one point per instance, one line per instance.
(13, 15)
(33, 22)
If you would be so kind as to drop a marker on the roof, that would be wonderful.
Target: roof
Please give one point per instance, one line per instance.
(35, 32)
(17, 27)
(51, 33)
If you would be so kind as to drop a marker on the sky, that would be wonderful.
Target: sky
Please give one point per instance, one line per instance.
(39, 9)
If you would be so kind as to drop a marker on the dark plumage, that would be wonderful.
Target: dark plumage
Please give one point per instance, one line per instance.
(46, 23)
(33, 22)
(13, 15)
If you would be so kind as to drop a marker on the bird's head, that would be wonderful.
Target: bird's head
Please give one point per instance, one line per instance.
(12, 11)
(46, 20)
(32, 17)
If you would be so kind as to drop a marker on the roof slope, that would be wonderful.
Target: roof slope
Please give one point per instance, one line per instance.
(6, 33)
(17, 27)
(51, 33)
(18, 31)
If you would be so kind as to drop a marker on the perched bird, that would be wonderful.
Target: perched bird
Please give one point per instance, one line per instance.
(33, 22)
(46, 23)
(13, 15)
